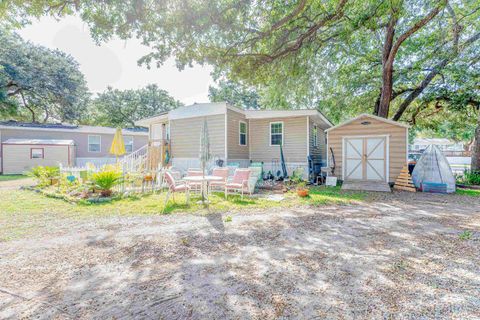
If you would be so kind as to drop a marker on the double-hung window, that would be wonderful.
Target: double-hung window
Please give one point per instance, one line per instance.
(243, 133)
(128, 140)
(94, 143)
(276, 133)
(315, 135)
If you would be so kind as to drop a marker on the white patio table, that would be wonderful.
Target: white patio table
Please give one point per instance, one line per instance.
(205, 180)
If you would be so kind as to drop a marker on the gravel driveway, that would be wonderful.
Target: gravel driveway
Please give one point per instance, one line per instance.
(400, 256)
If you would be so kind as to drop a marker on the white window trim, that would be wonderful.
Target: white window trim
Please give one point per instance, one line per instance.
(270, 130)
(240, 134)
(315, 136)
(100, 143)
(133, 142)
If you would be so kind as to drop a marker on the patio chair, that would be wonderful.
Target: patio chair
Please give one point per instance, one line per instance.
(219, 185)
(195, 186)
(239, 182)
(174, 187)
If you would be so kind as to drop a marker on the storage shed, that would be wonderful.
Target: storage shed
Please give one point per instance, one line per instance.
(368, 148)
(20, 155)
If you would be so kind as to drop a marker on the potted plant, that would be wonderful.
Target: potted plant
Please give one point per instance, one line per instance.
(105, 180)
(302, 189)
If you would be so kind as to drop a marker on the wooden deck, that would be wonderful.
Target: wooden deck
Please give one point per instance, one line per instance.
(366, 186)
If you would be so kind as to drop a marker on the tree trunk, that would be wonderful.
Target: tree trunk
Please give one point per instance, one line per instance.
(476, 147)
(387, 71)
(387, 89)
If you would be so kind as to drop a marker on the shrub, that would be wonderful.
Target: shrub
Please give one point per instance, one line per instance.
(106, 179)
(45, 175)
(470, 177)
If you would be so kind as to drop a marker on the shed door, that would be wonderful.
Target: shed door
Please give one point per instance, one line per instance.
(365, 158)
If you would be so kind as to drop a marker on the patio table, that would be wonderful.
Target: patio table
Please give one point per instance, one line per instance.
(205, 180)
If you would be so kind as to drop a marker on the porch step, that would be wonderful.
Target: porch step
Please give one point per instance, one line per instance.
(366, 186)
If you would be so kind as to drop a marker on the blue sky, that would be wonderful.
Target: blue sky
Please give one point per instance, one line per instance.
(115, 63)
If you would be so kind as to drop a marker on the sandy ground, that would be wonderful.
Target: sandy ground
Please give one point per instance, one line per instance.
(398, 257)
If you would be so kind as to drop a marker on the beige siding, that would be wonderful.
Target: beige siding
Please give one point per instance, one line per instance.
(397, 142)
(295, 140)
(235, 150)
(185, 136)
(16, 158)
(318, 153)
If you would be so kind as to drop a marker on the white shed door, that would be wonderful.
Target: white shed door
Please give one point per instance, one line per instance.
(365, 158)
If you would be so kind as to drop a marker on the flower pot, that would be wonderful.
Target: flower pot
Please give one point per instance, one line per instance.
(302, 193)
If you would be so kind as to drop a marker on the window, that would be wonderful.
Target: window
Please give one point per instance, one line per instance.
(276, 133)
(94, 143)
(128, 140)
(315, 136)
(243, 133)
(36, 153)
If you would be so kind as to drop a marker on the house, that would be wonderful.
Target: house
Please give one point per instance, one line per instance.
(448, 147)
(240, 136)
(368, 148)
(24, 145)
(458, 154)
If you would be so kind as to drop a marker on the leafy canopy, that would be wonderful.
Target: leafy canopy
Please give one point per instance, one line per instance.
(39, 84)
(121, 108)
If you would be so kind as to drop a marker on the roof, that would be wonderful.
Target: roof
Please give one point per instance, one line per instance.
(40, 142)
(61, 127)
(395, 123)
(214, 108)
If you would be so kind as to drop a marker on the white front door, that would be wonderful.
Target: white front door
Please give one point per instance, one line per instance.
(365, 158)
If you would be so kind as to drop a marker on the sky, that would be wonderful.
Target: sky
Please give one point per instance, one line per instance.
(114, 63)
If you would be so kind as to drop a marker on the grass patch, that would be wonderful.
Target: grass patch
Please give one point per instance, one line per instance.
(468, 192)
(333, 195)
(11, 177)
(24, 212)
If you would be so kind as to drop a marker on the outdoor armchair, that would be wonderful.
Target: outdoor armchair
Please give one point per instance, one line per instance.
(239, 183)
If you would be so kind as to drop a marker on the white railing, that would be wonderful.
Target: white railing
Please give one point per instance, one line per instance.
(135, 161)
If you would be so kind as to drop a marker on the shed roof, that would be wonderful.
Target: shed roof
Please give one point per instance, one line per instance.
(395, 123)
(40, 142)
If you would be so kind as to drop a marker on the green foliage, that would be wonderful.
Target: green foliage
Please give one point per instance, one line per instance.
(324, 54)
(228, 219)
(234, 93)
(45, 175)
(297, 176)
(465, 235)
(469, 177)
(121, 108)
(39, 84)
(107, 178)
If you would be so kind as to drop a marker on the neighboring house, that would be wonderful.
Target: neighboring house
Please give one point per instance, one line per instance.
(241, 136)
(90, 143)
(448, 147)
(458, 154)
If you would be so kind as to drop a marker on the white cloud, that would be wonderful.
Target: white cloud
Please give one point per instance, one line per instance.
(115, 63)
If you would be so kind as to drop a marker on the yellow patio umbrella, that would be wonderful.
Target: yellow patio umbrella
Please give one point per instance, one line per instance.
(118, 146)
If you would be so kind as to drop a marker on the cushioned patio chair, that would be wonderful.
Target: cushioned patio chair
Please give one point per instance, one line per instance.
(194, 186)
(175, 186)
(239, 183)
(219, 185)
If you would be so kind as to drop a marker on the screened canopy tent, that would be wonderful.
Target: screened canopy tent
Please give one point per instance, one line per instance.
(433, 173)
